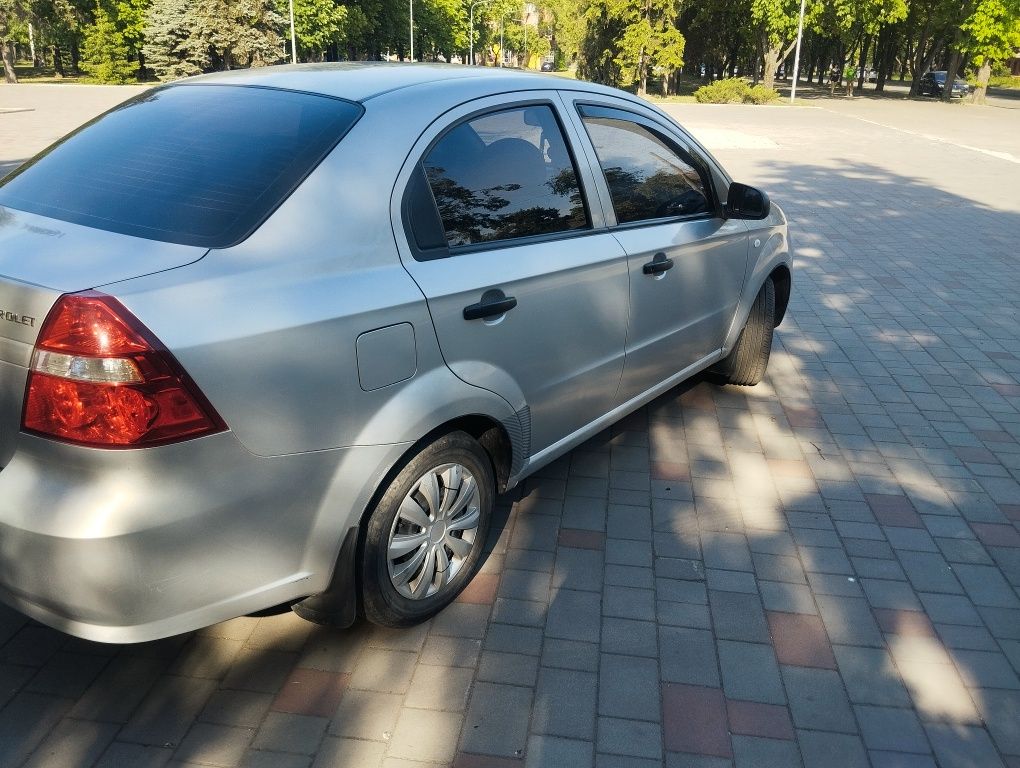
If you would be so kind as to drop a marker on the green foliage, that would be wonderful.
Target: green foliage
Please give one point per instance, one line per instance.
(734, 90)
(174, 46)
(992, 31)
(106, 54)
(317, 25)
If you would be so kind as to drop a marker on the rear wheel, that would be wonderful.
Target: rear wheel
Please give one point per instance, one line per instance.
(746, 363)
(424, 539)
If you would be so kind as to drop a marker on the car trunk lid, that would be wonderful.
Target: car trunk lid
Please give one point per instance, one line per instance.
(70, 257)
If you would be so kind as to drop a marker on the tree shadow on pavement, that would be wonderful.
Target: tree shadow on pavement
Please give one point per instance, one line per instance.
(821, 570)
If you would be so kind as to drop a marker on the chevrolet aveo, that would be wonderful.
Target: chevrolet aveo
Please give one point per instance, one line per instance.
(279, 337)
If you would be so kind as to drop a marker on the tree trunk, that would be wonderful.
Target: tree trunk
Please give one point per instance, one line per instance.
(58, 61)
(863, 63)
(75, 58)
(982, 86)
(665, 83)
(770, 61)
(952, 69)
(10, 75)
(142, 72)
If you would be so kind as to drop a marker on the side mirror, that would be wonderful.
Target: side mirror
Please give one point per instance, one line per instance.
(744, 202)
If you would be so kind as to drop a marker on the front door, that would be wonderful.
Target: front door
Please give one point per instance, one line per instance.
(686, 263)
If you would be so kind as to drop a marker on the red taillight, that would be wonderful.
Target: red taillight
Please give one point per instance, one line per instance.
(100, 378)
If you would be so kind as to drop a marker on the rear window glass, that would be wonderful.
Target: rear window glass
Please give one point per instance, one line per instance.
(198, 164)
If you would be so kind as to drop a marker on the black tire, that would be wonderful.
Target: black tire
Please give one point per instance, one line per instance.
(746, 363)
(382, 599)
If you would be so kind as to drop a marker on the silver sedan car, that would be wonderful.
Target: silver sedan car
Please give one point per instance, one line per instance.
(277, 338)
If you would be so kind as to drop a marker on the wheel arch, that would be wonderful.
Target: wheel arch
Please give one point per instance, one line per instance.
(783, 282)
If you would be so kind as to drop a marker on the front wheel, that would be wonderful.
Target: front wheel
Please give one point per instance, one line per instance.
(425, 536)
(746, 363)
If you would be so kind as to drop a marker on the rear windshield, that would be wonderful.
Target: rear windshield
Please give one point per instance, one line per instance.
(198, 164)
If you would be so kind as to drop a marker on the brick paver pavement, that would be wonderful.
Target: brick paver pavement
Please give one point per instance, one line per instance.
(821, 571)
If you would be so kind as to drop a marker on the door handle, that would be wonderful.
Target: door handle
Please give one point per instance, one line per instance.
(658, 265)
(494, 302)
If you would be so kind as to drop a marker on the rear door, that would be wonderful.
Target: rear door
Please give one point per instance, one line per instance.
(527, 291)
(686, 262)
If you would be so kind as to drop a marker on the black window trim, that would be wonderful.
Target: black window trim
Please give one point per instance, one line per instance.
(448, 251)
(688, 154)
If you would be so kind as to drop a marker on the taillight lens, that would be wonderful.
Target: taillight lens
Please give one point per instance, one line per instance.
(100, 378)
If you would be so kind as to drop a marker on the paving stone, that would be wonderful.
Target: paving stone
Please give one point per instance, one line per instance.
(890, 594)
(831, 750)
(786, 597)
(254, 758)
(870, 676)
(565, 703)
(166, 713)
(801, 640)
(311, 692)
(453, 651)
(117, 691)
(752, 752)
(674, 590)
(629, 688)
(426, 735)
(633, 638)
(929, 572)
(578, 569)
(574, 615)
(462, 620)
(688, 656)
(629, 737)
(445, 688)
(985, 585)
(630, 576)
(554, 752)
(570, 654)
(848, 621)
(750, 672)
(72, 743)
(120, 754)
(260, 670)
(628, 603)
(240, 708)
(384, 671)
(497, 720)
(750, 718)
(896, 730)
(694, 720)
(1000, 711)
(881, 759)
(962, 747)
(817, 700)
(340, 753)
(366, 715)
(949, 609)
(982, 669)
(512, 638)
(738, 617)
(221, 745)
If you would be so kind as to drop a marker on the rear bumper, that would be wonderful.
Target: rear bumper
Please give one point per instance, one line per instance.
(129, 546)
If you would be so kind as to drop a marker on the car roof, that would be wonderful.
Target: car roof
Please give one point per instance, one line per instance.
(363, 80)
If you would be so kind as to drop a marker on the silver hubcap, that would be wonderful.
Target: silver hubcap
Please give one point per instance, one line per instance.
(434, 531)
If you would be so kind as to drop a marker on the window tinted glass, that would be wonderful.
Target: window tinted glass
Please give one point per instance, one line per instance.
(647, 178)
(198, 165)
(505, 175)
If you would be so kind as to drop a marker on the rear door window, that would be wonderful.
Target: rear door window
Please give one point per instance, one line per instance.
(192, 164)
(505, 175)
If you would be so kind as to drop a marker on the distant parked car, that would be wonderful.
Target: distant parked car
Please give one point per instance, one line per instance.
(277, 337)
(934, 83)
(871, 75)
(548, 65)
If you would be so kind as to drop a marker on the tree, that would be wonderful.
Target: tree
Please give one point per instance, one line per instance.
(670, 56)
(174, 46)
(13, 16)
(318, 24)
(990, 34)
(106, 53)
(777, 22)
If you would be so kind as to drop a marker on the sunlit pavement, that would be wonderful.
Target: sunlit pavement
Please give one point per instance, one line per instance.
(822, 570)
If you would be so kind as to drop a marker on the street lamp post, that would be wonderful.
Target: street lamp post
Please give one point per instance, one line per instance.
(796, 56)
(411, 6)
(293, 35)
(471, 24)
